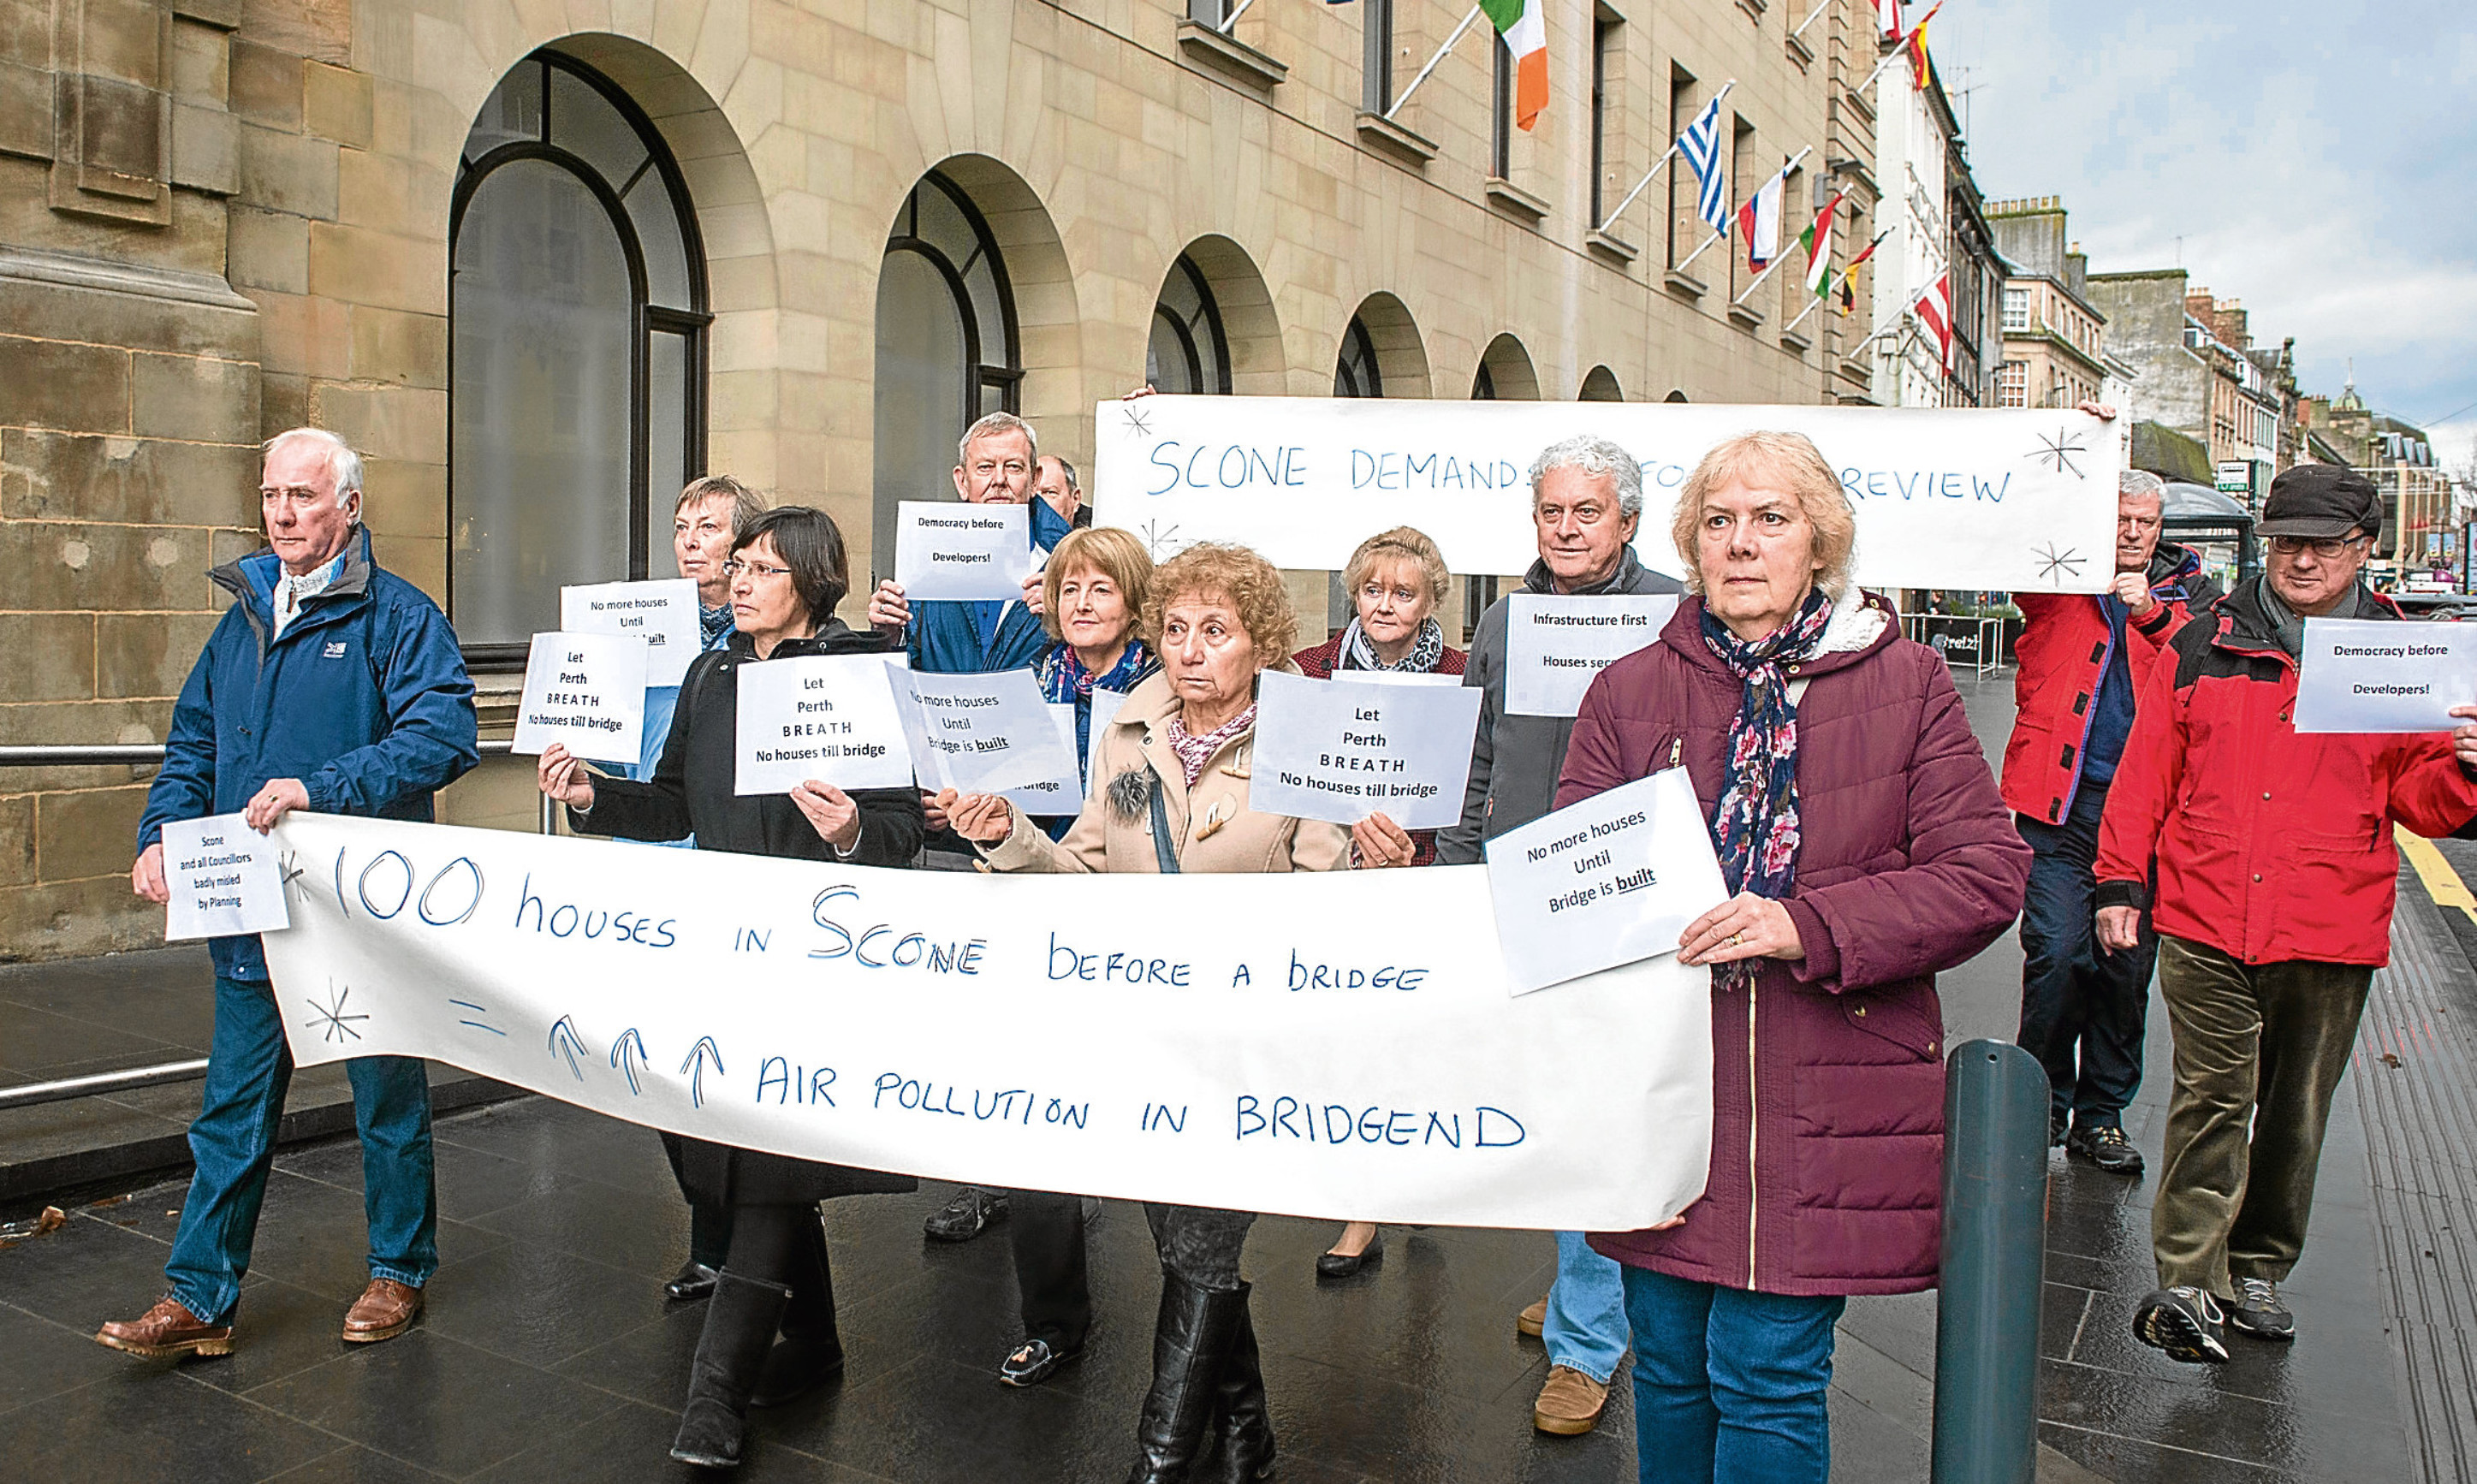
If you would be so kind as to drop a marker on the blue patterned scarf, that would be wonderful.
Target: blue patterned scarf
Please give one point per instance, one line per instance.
(1756, 829)
(1063, 677)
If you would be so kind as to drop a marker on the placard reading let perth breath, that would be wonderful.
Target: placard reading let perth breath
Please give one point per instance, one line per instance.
(1555, 645)
(2377, 675)
(945, 550)
(223, 879)
(826, 718)
(1610, 880)
(984, 733)
(586, 691)
(1345, 748)
(663, 613)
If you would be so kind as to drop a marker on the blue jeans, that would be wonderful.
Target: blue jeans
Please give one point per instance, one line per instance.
(2082, 1010)
(1585, 1328)
(234, 1143)
(1729, 1384)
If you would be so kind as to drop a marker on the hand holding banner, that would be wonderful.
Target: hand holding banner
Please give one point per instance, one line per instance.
(826, 718)
(223, 879)
(1342, 749)
(586, 691)
(1554, 646)
(2382, 675)
(945, 550)
(663, 613)
(1610, 880)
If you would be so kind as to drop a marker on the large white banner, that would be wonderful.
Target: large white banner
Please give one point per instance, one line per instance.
(1339, 1046)
(2011, 500)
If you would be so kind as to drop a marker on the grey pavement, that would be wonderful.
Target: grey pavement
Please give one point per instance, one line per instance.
(549, 1353)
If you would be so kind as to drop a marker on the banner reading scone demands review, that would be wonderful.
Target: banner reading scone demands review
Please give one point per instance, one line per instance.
(1334, 1045)
(2015, 501)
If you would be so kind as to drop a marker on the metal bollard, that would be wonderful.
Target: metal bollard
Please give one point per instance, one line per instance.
(1994, 1261)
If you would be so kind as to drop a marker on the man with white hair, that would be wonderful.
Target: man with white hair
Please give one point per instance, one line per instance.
(346, 681)
(1586, 502)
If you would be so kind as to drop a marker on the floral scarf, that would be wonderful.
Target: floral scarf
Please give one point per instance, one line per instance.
(1755, 828)
(1063, 677)
(1358, 652)
(1193, 752)
(713, 623)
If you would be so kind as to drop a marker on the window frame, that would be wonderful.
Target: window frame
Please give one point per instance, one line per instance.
(1006, 373)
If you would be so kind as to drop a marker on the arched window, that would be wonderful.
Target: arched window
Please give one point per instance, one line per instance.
(945, 346)
(1188, 351)
(1355, 374)
(576, 330)
(1483, 385)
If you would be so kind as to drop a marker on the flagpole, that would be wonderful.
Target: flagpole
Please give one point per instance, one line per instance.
(1802, 314)
(1778, 258)
(1467, 20)
(1899, 49)
(1640, 185)
(1229, 22)
(1819, 7)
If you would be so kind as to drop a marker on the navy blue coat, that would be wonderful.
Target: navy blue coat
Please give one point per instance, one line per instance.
(946, 637)
(363, 698)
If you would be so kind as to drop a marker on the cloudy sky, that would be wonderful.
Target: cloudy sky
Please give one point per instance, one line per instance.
(2316, 161)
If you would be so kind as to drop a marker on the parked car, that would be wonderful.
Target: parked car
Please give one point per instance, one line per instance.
(2437, 607)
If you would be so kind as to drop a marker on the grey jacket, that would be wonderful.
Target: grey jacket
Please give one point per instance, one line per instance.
(1515, 759)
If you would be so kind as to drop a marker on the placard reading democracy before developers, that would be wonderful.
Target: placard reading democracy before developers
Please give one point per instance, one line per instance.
(222, 878)
(826, 717)
(586, 691)
(945, 550)
(1610, 880)
(2361, 675)
(1342, 749)
(663, 613)
(1555, 645)
(984, 733)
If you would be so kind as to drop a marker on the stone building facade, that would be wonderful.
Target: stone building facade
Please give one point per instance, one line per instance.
(2197, 370)
(540, 260)
(2054, 347)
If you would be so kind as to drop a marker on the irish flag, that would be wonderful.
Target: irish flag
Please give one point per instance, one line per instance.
(1526, 36)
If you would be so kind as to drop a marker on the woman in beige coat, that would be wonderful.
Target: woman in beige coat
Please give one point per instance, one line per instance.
(1170, 793)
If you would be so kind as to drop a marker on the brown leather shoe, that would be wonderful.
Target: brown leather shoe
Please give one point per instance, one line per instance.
(1533, 1319)
(384, 1310)
(1569, 1404)
(168, 1329)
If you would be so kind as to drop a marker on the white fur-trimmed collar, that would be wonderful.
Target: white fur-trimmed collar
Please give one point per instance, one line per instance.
(1853, 624)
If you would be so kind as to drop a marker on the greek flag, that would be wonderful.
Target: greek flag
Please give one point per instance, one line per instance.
(1700, 144)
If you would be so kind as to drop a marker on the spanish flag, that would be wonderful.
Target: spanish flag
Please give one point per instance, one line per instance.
(1526, 36)
(1921, 69)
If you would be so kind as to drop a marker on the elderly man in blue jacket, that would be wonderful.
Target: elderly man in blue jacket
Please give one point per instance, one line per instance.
(329, 686)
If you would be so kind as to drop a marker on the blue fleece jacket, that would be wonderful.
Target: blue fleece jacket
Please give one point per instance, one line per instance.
(966, 639)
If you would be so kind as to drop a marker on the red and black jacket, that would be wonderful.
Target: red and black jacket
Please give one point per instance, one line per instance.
(2063, 655)
(2272, 845)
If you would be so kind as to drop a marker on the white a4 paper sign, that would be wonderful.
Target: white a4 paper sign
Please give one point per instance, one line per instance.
(948, 550)
(826, 718)
(2382, 675)
(1555, 645)
(1610, 880)
(1342, 749)
(663, 613)
(586, 691)
(223, 879)
(984, 733)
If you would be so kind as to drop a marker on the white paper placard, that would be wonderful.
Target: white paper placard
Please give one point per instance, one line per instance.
(586, 691)
(826, 718)
(946, 550)
(2014, 500)
(984, 732)
(1555, 646)
(664, 613)
(1105, 711)
(1609, 881)
(1343, 749)
(1399, 677)
(2384, 675)
(223, 879)
(1051, 796)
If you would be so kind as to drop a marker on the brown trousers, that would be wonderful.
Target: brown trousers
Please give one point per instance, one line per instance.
(2259, 1050)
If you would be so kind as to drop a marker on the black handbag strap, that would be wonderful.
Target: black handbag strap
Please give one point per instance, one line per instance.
(1163, 850)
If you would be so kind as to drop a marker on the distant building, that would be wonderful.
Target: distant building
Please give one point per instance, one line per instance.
(1938, 224)
(2421, 523)
(2054, 347)
(2195, 369)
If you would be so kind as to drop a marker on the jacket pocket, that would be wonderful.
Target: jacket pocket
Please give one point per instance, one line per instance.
(1897, 1021)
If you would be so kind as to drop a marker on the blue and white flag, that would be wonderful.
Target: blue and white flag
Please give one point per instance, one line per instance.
(1700, 144)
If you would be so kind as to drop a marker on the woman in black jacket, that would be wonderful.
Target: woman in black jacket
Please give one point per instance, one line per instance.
(788, 572)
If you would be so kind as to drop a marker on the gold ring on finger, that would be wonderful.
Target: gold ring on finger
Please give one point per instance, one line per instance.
(1736, 940)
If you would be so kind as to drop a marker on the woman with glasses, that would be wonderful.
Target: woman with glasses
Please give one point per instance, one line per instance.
(788, 572)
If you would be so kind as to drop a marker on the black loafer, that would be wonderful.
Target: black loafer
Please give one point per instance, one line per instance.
(969, 1214)
(695, 1280)
(1034, 1362)
(1336, 1265)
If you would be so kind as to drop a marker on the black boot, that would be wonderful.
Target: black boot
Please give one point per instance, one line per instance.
(1238, 1407)
(1190, 1341)
(740, 1324)
(811, 1350)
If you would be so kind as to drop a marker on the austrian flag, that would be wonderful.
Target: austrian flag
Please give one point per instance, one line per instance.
(1526, 38)
(1934, 311)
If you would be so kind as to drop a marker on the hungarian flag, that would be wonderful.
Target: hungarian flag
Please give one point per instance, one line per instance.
(1934, 311)
(1921, 70)
(1759, 220)
(1816, 241)
(1849, 273)
(1526, 38)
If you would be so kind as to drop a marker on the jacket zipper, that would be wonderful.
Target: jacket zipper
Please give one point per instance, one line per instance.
(1754, 1134)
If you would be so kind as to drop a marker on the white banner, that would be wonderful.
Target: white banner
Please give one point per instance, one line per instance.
(663, 613)
(586, 691)
(1556, 646)
(221, 875)
(2382, 675)
(1342, 749)
(1337, 1045)
(2011, 500)
(824, 716)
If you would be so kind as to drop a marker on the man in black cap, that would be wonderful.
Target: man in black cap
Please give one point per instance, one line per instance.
(2276, 875)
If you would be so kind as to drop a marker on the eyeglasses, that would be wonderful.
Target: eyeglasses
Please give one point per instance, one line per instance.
(2328, 549)
(759, 570)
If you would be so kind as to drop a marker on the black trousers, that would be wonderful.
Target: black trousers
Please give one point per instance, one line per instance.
(709, 1222)
(2084, 1010)
(1047, 1231)
(784, 1244)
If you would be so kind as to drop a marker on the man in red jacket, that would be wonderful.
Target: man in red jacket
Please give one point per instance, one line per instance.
(2083, 661)
(2276, 874)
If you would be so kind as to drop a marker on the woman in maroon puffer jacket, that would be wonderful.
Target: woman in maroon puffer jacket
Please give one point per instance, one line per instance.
(1857, 821)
